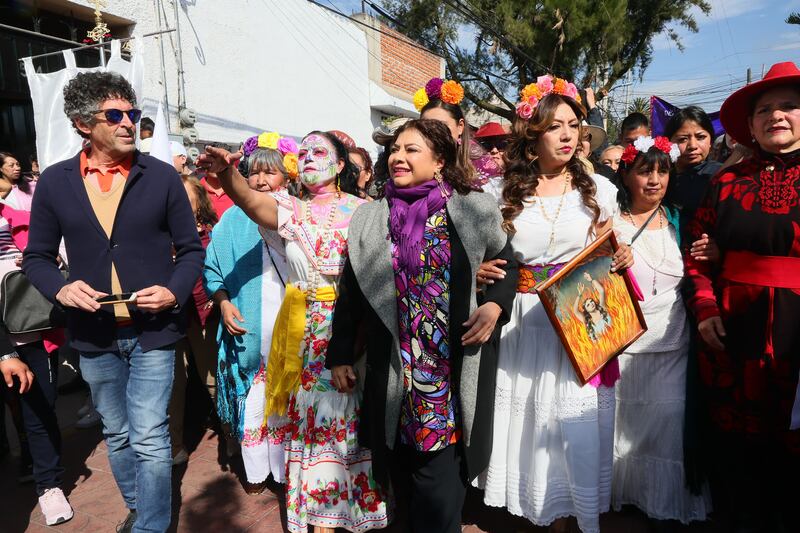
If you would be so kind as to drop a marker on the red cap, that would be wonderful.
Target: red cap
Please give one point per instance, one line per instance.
(491, 129)
(735, 111)
(346, 140)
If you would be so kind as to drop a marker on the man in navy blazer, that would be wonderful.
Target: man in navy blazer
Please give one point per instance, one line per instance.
(127, 226)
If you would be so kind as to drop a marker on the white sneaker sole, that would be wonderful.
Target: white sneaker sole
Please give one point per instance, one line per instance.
(60, 519)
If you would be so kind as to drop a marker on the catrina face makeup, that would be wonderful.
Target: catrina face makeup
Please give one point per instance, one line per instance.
(317, 161)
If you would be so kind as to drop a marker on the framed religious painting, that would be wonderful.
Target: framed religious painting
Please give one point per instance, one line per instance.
(594, 311)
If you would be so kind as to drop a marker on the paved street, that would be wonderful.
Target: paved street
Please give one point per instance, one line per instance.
(207, 493)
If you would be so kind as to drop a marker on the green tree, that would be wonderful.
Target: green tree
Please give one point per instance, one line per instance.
(593, 42)
(793, 18)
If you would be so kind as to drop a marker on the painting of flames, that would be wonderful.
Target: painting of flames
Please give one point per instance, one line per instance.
(626, 321)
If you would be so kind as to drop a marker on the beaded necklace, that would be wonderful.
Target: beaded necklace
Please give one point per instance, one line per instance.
(553, 220)
(313, 284)
(647, 247)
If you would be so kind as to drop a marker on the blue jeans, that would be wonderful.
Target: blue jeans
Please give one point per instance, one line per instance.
(131, 390)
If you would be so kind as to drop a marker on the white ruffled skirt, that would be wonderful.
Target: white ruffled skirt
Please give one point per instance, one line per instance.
(648, 439)
(553, 439)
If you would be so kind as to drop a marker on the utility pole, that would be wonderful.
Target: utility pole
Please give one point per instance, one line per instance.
(749, 75)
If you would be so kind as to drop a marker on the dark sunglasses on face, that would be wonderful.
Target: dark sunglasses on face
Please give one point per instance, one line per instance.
(489, 144)
(114, 116)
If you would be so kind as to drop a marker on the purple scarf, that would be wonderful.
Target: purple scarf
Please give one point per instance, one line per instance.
(409, 209)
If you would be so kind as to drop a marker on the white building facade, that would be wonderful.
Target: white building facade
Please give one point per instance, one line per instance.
(247, 66)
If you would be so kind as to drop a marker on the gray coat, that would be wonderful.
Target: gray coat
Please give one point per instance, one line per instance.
(368, 295)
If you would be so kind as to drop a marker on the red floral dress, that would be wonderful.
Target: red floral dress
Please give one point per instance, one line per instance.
(751, 208)
(329, 479)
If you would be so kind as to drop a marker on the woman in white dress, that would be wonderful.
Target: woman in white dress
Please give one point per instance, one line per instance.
(651, 392)
(552, 444)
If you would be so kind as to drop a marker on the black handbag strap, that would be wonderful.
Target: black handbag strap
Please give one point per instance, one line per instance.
(644, 226)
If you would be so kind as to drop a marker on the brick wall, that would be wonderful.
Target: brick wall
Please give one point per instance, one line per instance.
(405, 65)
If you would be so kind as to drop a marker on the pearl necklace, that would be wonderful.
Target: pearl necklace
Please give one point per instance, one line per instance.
(553, 220)
(313, 284)
(650, 250)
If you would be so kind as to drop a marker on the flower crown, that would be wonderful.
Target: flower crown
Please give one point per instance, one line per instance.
(273, 141)
(532, 94)
(448, 91)
(643, 144)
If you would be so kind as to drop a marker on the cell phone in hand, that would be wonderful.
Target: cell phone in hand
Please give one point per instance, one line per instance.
(123, 298)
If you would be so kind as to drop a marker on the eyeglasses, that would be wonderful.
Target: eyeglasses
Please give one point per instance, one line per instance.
(114, 116)
(490, 144)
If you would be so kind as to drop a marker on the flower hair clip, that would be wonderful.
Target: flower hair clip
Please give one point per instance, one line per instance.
(643, 144)
(448, 91)
(532, 94)
(274, 141)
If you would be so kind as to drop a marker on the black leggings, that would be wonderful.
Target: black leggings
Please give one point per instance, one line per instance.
(39, 415)
(430, 488)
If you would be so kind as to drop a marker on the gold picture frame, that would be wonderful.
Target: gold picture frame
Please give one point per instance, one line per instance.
(594, 311)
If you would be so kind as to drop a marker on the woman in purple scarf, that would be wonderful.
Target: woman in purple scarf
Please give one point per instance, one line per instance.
(410, 284)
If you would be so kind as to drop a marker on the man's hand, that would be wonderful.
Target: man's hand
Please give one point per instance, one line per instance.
(155, 299)
(481, 324)
(14, 367)
(344, 378)
(230, 316)
(79, 295)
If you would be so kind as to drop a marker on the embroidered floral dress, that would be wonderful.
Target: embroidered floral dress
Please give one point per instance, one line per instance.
(329, 480)
(752, 210)
(428, 415)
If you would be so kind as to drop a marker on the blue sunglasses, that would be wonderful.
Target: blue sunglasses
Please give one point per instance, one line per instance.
(114, 116)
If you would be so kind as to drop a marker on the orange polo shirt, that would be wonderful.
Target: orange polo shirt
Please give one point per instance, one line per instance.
(105, 178)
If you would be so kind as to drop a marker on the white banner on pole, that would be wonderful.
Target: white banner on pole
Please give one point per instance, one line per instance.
(160, 143)
(56, 139)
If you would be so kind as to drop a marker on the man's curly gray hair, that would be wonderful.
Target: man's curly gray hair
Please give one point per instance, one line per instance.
(87, 91)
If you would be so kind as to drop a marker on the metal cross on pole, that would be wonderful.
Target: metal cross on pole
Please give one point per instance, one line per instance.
(100, 30)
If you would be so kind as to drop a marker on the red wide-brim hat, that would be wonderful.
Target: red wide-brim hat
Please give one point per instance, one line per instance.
(736, 110)
(491, 129)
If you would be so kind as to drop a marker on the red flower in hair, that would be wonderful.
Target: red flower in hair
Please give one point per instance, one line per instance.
(663, 144)
(629, 154)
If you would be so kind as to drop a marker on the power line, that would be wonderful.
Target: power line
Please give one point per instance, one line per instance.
(433, 48)
(294, 36)
(381, 60)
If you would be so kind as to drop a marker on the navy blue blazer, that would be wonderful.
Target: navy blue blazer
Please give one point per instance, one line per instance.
(154, 215)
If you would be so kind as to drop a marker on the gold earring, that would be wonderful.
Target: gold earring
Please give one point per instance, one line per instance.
(338, 188)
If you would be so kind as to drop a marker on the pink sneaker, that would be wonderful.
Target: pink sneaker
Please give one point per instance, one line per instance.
(55, 507)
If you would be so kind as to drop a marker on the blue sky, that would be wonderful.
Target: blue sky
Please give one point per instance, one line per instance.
(737, 34)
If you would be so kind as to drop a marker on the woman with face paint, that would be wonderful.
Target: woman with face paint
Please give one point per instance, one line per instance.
(427, 399)
(329, 480)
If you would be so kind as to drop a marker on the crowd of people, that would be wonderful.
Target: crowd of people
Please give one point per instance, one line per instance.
(370, 333)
